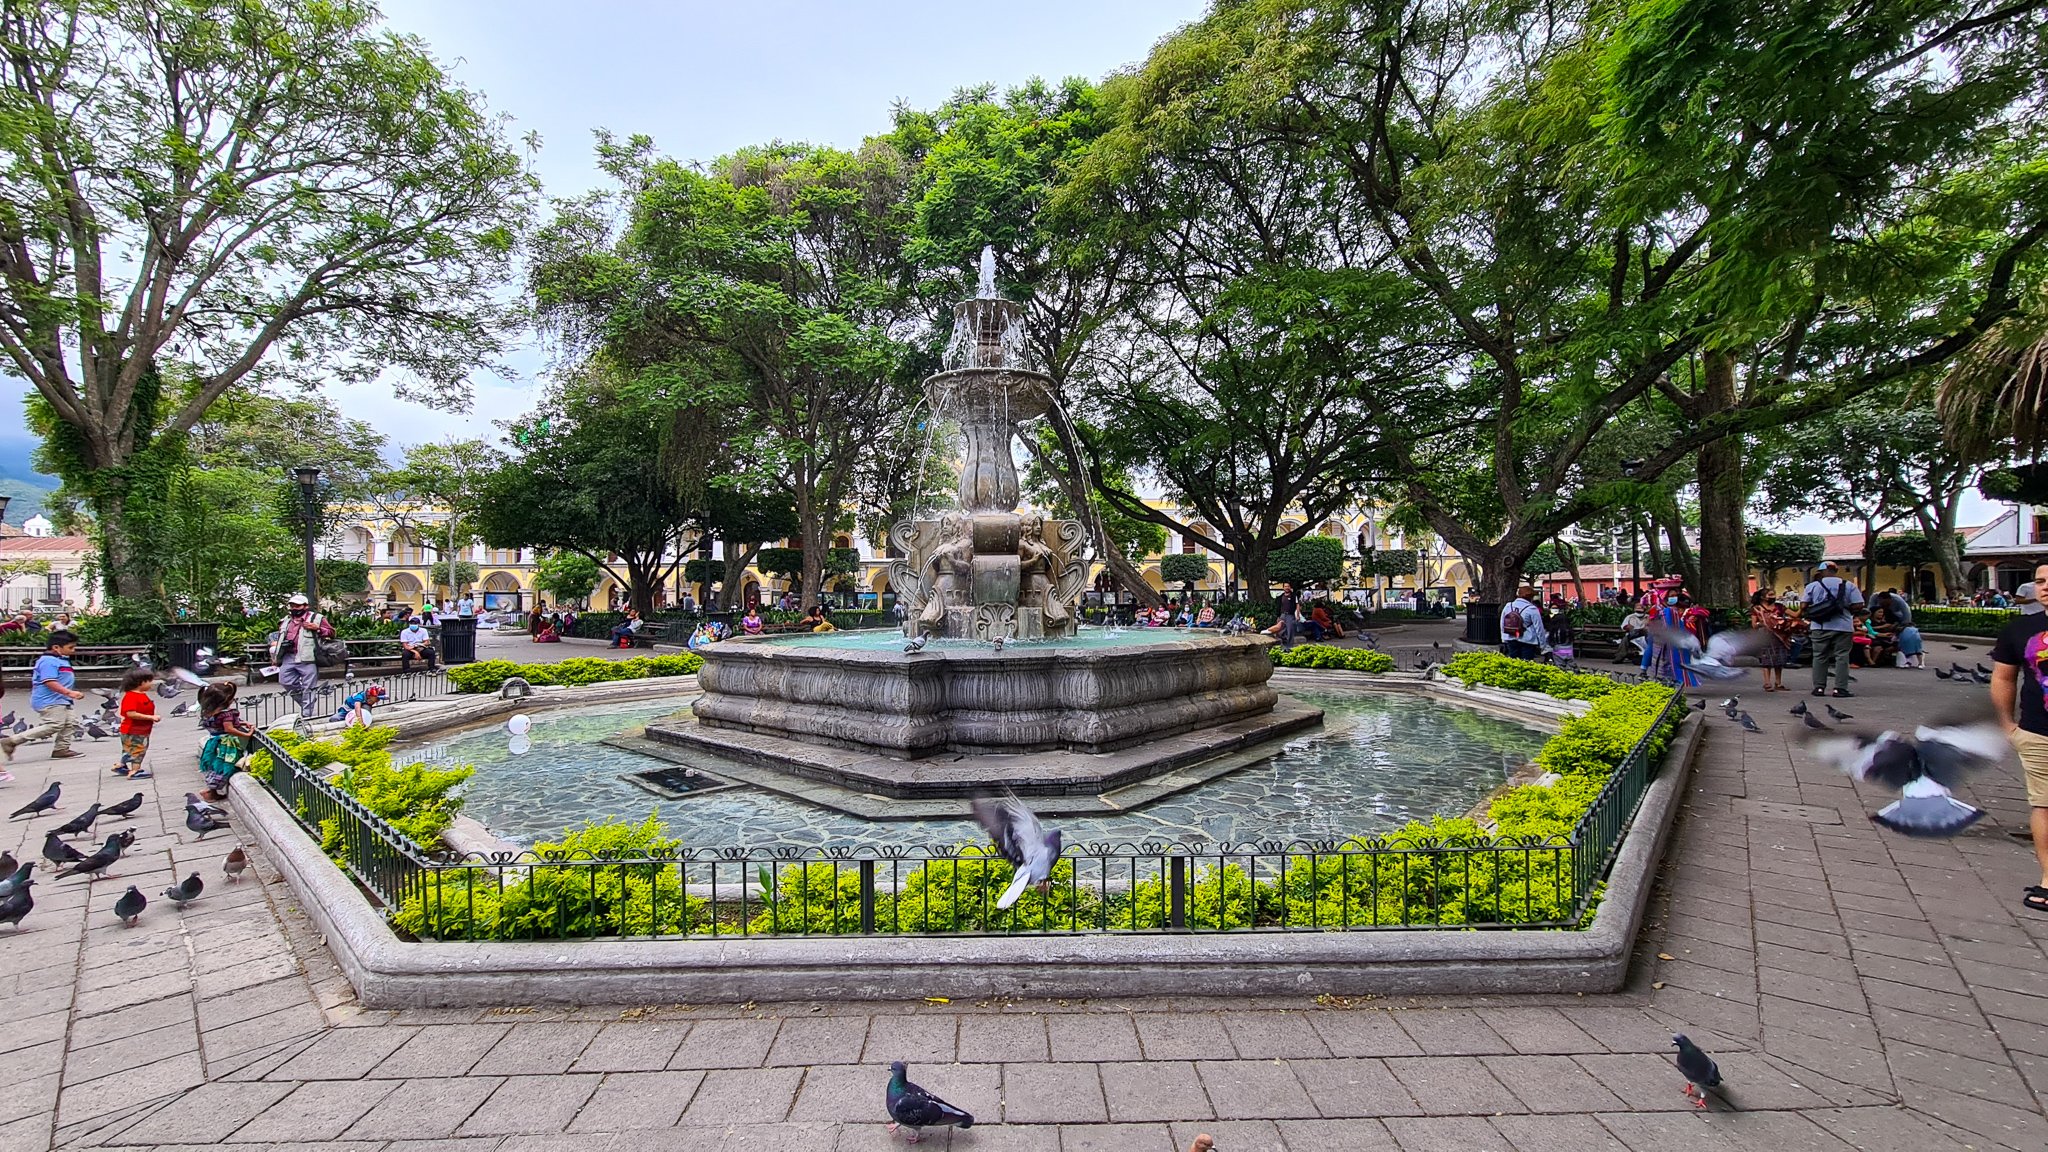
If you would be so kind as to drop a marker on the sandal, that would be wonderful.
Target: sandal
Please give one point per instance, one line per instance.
(2036, 899)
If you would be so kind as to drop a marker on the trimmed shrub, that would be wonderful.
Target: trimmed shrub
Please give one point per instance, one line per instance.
(1498, 671)
(1963, 621)
(490, 675)
(1331, 656)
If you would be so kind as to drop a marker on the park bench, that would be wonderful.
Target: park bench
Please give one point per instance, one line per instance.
(94, 665)
(1595, 640)
(365, 658)
(654, 632)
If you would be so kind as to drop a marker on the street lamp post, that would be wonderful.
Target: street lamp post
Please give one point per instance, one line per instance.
(1628, 469)
(309, 501)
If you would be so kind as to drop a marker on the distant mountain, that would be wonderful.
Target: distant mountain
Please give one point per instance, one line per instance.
(21, 483)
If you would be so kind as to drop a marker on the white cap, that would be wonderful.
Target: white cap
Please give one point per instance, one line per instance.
(298, 598)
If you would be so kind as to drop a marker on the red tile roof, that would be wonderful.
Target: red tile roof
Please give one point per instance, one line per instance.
(18, 545)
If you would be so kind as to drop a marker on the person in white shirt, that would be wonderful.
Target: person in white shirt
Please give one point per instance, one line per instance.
(415, 643)
(465, 607)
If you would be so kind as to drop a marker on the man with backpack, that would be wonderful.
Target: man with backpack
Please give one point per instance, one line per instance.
(1830, 606)
(1521, 626)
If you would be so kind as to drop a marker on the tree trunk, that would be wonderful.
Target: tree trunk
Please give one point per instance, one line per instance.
(1869, 566)
(640, 580)
(1657, 567)
(1680, 549)
(730, 588)
(1571, 559)
(1723, 564)
(1251, 571)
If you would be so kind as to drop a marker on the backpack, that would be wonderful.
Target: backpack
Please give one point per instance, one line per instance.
(1833, 602)
(1512, 625)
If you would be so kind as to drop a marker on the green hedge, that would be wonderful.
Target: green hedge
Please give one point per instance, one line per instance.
(1963, 621)
(642, 895)
(1331, 656)
(490, 675)
(1497, 671)
(413, 798)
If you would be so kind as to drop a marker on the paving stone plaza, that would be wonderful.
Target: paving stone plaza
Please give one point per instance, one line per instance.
(1861, 990)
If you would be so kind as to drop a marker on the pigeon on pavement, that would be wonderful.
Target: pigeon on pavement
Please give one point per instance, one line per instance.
(235, 863)
(1943, 674)
(93, 729)
(1021, 840)
(1799, 709)
(1837, 713)
(1923, 765)
(183, 894)
(80, 823)
(203, 822)
(1700, 705)
(14, 883)
(194, 802)
(20, 726)
(124, 808)
(56, 851)
(7, 864)
(914, 1108)
(7, 721)
(17, 904)
(1813, 722)
(1982, 670)
(1749, 723)
(40, 804)
(1698, 1068)
(96, 864)
(128, 908)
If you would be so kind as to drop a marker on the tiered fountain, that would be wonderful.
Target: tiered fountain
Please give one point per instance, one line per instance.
(1001, 670)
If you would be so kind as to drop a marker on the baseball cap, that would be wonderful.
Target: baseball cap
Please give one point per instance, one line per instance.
(298, 598)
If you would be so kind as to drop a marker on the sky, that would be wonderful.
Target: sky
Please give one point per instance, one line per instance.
(703, 78)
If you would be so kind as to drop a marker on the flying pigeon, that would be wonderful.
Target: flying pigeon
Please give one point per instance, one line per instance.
(80, 823)
(58, 852)
(194, 802)
(16, 882)
(1698, 1068)
(17, 904)
(1813, 722)
(92, 866)
(1749, 723)
(1799, 709)
(1021, 840)
(1923, 766)
(185, 676)
(235, 863)
(1716, 659)
(914, 1108)
(1960, 647)
(124, 808)
(915, 643)
(183, 894)
(128, 909)
(203, 822)
(1837, 713)
(40, 804)
(7, 864)
(93, 729)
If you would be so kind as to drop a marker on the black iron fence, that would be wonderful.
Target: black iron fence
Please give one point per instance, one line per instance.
(263, 709)
(1347, 884)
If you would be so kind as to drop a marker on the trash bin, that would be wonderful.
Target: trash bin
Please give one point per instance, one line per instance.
(1482, 623)
(183, 641)
(458, 639)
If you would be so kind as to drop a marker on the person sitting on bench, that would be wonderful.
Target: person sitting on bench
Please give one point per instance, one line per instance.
(415, 643)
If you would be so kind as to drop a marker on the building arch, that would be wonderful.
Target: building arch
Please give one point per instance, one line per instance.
(404, 587)
(1332, 528)
(879, 582)
(501, 582)
(1153, 578)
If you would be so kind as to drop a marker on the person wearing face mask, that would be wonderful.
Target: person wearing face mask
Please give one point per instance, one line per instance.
(298, 669)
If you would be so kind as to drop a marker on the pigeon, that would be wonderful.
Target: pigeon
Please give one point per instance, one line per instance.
(17, 904)
(1943, 674)
(80, 823)
(515, 688)
(184, 709)
(7, 721)
(1813, 722)
(194, 802)
(235, 863)
(1837, 713)
(58, 852)
(183, 894)
(1021, 840)
(1983, 677)
(128, 909)
(914, 1108)
(915, 643)
(1715, 660)
(40, 804)
(1699, 705)
(1923, 765)
(92, 866)
(999, 643)
(124, 808)
(1982, 670)
(1960, 647)
(20, 726)
(203, 822)
(1799, 709)
(93, 729)
(1732, 703)
(1698, 1068)
(184, 676)
(14, 883)
(1958, 669)
(1749, 723)
(7, 864)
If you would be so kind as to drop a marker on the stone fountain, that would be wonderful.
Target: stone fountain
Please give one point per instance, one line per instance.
(998, 675)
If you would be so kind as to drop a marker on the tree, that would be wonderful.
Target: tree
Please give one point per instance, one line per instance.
(1184, 568)
(340, 579)
(224, 192)
(424, 497)
(788, 564)
(1311, 560)
(594, 485)
(742, 520)
(1393, 562)
(464, 576)
(1908, 550)
(567, 576)
(1773, 552)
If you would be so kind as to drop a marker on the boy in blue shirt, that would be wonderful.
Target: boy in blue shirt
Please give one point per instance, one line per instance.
(51, 698)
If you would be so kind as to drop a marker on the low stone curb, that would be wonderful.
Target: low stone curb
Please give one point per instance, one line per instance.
(391, 973)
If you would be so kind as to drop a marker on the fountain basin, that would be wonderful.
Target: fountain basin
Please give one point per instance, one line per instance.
(1056, 717)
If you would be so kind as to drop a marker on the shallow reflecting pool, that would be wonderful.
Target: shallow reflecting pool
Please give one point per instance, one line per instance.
(1378, 762)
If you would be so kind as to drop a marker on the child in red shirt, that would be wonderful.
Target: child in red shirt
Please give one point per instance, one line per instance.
(138, 718)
